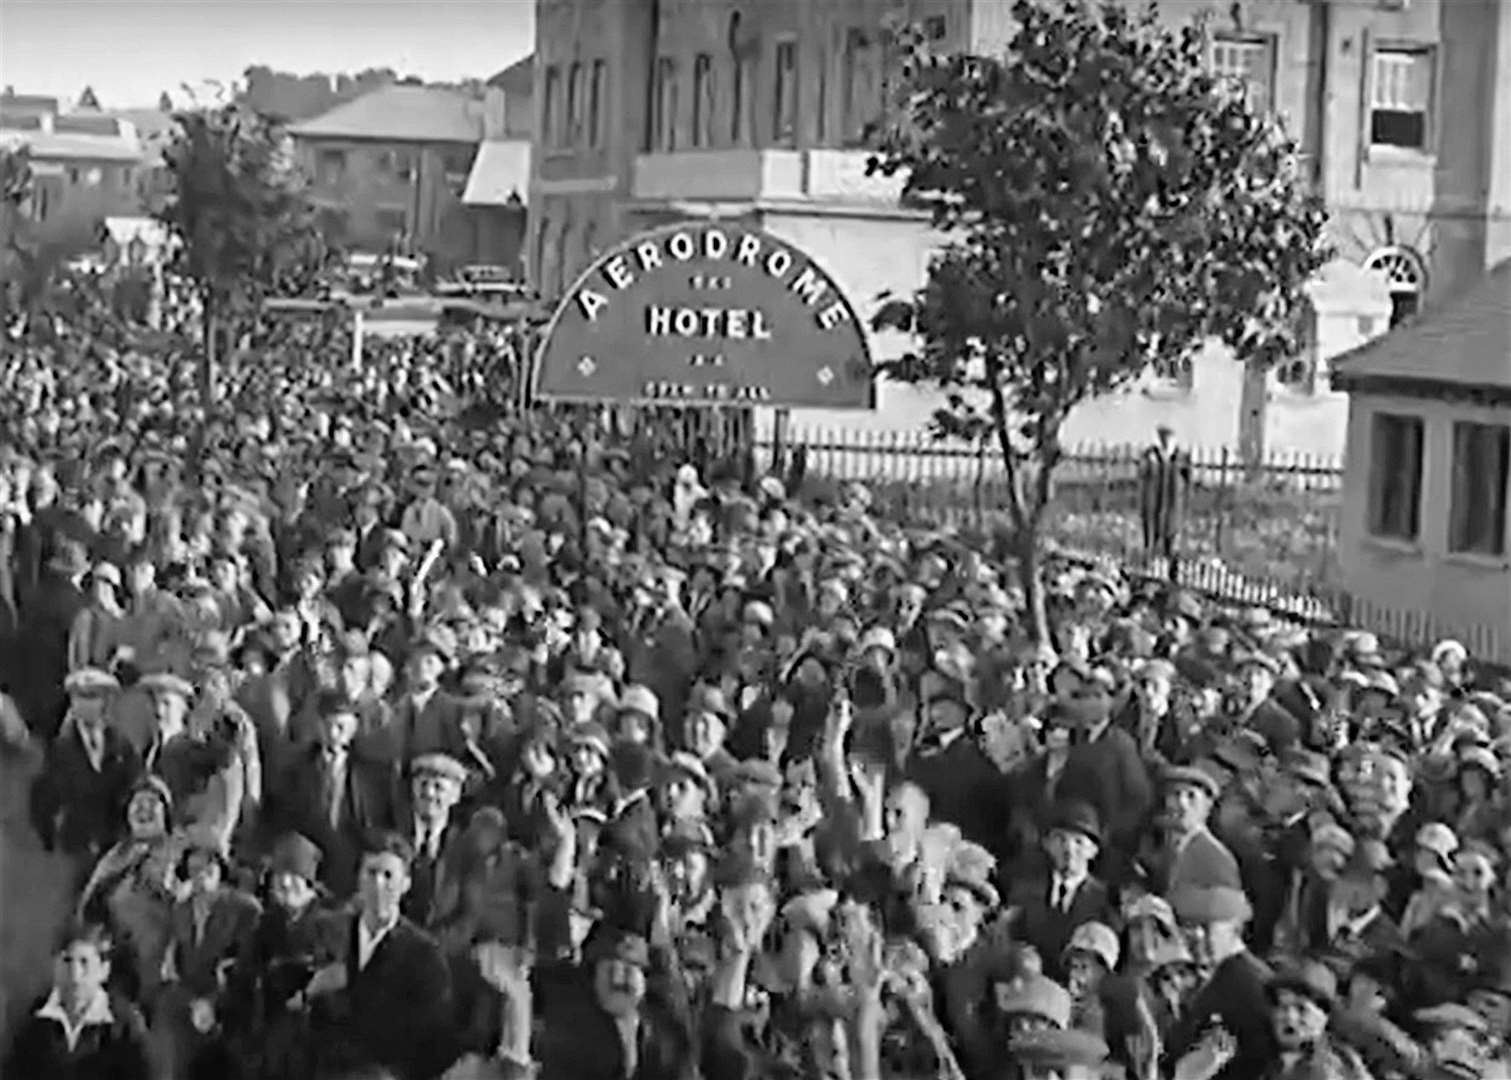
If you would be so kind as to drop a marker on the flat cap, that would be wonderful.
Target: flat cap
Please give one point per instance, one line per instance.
(90, 682)
(442, 765)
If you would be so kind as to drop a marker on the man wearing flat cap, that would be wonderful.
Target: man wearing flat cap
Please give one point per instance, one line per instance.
(78, 799)
(1187, 853)
(436, 781)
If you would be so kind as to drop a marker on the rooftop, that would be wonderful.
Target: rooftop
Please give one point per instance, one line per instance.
(400, 114)
(48, 146)
(1464, 342)
(517, 78)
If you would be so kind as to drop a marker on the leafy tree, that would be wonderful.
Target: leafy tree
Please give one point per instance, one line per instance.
(18, 249)
(164, 102)
(1106, 204)
(239, 213)
(88, 101)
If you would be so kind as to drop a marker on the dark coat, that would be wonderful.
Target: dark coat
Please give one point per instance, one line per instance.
(113, 1051)
(431, 881)
(397, 1012)
(966, 789)
(48, 620)
(77, 808)
(1236, 995)
(1109, 774)
(582, 1043)
(1048, 930)
(294, 805)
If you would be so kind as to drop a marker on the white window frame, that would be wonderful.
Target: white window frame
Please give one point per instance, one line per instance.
(1241, 75)
(1391, 70)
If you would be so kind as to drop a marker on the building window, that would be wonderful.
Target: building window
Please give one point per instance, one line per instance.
(935, 27)
(333, 223)
(597, 85)
(1400, 97)
(330, 165)
(549, 135)
(1404, 276)
(703, 100)
(1395, 476)
(741, 122)
(784, 99)
(390, 220)
(575, 103)
(821, 99)
(1477, 516)
(860, 86)
(1246, 64)
(73, 176)
(664, 115)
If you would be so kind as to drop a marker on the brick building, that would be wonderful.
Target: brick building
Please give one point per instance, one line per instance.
(651, 110)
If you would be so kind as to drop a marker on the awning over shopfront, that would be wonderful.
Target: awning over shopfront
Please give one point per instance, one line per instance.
(500, 175)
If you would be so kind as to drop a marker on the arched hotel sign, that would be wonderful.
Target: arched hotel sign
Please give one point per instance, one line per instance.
(706, 314)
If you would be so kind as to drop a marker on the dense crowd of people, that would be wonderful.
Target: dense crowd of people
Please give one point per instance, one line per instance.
(386, 740)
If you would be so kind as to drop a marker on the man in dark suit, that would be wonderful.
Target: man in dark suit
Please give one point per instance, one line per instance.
(426, 718)
(48, 615)
(332, 795)
(435, 787)
(963, 785)
(385, 1000)
(1235, 993)
(1105, 770)
(1050, 909)
(609, 1030)
(80, 797)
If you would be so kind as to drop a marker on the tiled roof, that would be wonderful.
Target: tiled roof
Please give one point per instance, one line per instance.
(1465, 341)
(29, 102)
(400, 114)
(502, 169)
(46, 146)
(517, 78)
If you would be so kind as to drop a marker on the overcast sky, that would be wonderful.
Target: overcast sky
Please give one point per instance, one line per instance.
(132, 50)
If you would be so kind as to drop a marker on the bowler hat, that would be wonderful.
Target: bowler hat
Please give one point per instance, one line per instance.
(1077, 817)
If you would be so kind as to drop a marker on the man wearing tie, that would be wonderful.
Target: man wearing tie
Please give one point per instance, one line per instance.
(1052, 909)
(332, 795)
(435, 787)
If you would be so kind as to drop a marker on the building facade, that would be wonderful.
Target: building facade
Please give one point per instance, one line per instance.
(650, 111)
(86, 167)
(1426, 519)
(387, 171)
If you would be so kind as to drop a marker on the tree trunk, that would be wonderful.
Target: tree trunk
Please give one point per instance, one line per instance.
(1253, 405)
(208, 361)
(1032, 584)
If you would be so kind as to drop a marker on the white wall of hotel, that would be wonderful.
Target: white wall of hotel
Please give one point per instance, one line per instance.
(869, 254)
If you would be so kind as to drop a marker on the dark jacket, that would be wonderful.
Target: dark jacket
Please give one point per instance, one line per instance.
(1236, 996)
(1109, 773)
(77, 808)
(964, 789)
(107, 1050)
(397, 1012)
(582, 1043)
(294, 804)
(1048, 929)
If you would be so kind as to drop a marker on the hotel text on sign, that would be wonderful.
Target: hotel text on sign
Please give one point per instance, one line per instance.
(706, 314)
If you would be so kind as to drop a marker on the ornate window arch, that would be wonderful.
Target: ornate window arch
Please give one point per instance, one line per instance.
(1405, 275)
